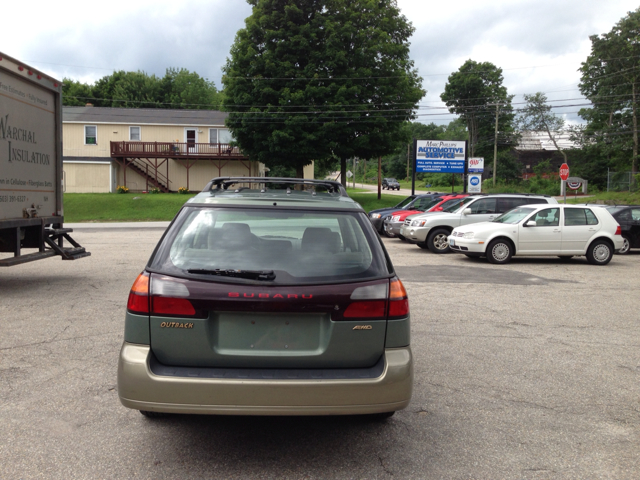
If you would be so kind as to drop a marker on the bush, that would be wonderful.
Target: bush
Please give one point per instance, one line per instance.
(183, 190)
(122, 189)
(154, 190)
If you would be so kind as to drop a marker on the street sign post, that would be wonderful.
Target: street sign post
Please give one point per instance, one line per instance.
(564, 174)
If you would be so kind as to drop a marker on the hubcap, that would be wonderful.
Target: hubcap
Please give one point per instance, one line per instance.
(440, 242)
(500, 251)
(601, 252)
(625, 245)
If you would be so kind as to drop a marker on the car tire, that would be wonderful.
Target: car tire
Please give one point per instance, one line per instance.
(626, 246)
(401, 237)
(499, 252)
(387, 234)
(599, 252)
(565, 258)
(438, 241)
(148, 414)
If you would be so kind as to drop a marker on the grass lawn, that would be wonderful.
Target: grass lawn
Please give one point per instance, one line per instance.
(128, 207)
(113, 207)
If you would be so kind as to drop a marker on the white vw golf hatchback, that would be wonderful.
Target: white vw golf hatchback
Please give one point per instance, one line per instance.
(562, 230)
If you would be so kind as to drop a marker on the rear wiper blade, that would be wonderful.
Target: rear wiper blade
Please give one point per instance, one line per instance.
(250, 274)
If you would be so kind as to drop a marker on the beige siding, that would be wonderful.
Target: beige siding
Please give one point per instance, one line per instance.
(86, 178)
(73, 137)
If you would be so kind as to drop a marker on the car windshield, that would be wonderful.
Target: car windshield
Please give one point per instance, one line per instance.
(429, 205)
(391, 180)
(298, 246)
(405, 202)
(459, 204)
(448, 203)
(514, 216)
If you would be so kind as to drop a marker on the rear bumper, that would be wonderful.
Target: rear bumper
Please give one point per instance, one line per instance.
(139, 388)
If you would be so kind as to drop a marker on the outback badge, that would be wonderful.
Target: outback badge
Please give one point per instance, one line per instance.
(362, 327)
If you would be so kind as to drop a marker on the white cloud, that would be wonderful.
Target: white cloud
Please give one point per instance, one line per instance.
(539, 44)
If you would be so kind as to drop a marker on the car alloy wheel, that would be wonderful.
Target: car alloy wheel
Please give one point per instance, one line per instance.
(599, 253)
(499, 251)
(626, 246)
(438, 241)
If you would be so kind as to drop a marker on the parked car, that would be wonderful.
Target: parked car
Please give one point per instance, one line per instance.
(431, 230)
(562, 230)
(394, 221)
(390, 184)
(628, 216)
(260, 301)
(413, 201)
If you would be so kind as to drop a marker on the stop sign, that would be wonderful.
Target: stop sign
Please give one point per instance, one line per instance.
(564, 171)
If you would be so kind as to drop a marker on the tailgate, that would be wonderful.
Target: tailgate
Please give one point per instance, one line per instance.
(257, 326)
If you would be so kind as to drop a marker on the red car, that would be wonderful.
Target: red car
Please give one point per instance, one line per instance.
(394, 221)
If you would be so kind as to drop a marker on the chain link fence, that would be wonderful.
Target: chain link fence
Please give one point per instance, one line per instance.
(621, 182)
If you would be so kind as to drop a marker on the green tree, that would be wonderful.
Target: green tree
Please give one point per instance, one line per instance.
(473, 93)
(536, 116)
(75, 93)
(320, 79)
(181, 88)
(610, 77)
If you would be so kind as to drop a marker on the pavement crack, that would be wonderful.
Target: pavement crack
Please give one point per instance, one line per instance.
(384, 467)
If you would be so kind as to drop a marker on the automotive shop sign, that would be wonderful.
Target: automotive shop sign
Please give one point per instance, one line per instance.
(440, 156)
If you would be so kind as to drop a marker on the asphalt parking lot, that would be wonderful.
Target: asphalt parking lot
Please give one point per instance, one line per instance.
(525, 371)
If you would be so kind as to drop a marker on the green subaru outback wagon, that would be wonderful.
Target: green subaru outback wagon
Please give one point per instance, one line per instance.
(270, 298)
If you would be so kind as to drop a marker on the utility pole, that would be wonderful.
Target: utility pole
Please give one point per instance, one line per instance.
(495, 142)
(408, 154)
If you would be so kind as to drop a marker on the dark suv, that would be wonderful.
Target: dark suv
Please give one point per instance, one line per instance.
(390, 184)
(262, 300)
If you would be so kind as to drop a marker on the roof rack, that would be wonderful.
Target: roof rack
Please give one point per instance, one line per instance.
(223, 183)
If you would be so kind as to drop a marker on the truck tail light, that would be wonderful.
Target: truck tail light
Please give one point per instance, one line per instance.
(139, 295)
(398, 300)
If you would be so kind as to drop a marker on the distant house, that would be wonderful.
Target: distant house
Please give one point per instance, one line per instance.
(536, 147)
(149, 148)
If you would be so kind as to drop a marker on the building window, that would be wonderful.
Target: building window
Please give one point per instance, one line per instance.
(134, 134)
(224, 135)
(90, 135)
(219, 135)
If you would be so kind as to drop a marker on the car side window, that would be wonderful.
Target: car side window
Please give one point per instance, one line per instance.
(579, 216)
(506, 204)
(549, 217)
(484, 205)
(635, 214)
(591, 217)
(625, 215)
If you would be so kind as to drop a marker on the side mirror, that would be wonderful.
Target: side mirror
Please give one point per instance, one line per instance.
(530, 223)
(466, 211)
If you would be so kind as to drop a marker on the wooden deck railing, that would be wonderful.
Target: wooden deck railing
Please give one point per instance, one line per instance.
(173, 149)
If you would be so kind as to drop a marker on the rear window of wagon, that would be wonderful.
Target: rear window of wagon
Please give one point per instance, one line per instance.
(299, 246)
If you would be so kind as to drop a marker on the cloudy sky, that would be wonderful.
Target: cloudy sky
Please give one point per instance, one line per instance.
(539, 44)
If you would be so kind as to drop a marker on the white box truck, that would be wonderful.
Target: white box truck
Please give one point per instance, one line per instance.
(31, 214)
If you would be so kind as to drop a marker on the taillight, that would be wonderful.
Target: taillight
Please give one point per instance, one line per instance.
(139, 295)
(398, 300)
(172, 306)
(619, 230)
(367, 309)
(169, 297)
(379, 301)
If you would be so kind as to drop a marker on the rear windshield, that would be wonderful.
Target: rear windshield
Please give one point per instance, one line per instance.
(299, 246)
